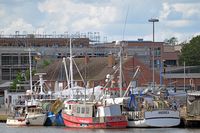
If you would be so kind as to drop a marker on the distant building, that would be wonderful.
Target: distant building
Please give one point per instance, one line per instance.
(14, 58)
(171, 55)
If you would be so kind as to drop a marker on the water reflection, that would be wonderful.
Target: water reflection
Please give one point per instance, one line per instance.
(41, 129)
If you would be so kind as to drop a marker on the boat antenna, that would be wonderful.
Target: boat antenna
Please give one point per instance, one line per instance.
(121, 45)
(125, 23)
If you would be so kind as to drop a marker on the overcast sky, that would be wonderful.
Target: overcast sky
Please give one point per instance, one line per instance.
(178, 18)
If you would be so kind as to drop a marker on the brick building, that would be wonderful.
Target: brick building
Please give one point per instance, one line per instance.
(140, 52)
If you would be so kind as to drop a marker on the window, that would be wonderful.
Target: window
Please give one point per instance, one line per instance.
(87, 110)
(24, 60)
(157, 65)
(198, 88)
(6, 60)
(14, 60)
(157, 51)
(78, 109)
(83, 110)
(5, 74)
(70, 106)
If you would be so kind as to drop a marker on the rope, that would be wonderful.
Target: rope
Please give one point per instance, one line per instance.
(55, 70)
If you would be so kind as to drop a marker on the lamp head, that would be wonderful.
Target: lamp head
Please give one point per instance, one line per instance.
(153, 20)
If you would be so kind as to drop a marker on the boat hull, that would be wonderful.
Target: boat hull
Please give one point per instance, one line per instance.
(103, 122)
(158, 118)
(36, 119)
(16, 121)
(54, 120)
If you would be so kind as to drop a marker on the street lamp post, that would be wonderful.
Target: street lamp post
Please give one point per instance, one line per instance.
(153, 20)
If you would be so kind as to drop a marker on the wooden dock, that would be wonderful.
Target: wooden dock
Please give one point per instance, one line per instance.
(189, 120)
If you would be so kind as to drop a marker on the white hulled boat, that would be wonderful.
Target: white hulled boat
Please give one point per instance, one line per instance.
(35, 116)
(18, 117)
(141, 112)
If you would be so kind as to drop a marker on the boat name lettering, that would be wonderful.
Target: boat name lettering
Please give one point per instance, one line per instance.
(84, 121)
(163, 112)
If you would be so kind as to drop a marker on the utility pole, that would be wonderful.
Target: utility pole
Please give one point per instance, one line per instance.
(153, 20)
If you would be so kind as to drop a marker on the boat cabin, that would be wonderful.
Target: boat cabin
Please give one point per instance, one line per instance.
(81, 110)
(34, 110)
(92, 110)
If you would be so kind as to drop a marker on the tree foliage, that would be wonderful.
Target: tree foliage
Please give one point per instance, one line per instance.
(171, 41)
(20, 78)
(16, 81)
(190, 52)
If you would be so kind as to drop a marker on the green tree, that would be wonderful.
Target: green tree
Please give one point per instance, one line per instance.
(190, 52)
(171, 41)
(16, 81)
(21, 77)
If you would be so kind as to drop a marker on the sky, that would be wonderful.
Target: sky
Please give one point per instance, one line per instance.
(112, 19)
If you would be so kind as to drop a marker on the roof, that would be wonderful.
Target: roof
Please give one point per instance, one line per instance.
(96, 69)
(6, 84)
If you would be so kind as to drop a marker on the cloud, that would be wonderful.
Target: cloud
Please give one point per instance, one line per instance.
(2, 12)
(165, 11)
(104, 16)
(179, 19)
(75, 16)
(188, 10)
(18, 25)
(178, 23)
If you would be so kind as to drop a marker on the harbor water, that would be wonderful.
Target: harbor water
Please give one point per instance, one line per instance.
(42, 129)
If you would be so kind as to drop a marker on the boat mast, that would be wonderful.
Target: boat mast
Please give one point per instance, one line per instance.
(71, 65)
(184, 75)
(120, 71)
(120, 43)
(29, 54)
(66, 72)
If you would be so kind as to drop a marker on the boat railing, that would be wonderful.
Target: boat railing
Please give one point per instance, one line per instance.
(108, 119)
(157, 105)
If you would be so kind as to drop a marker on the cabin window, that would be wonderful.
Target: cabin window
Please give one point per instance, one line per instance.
(87, 110)
(70, 106)
(83, 110)
(78, 109)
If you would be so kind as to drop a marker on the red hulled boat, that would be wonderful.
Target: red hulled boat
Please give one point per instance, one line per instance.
(93, 115)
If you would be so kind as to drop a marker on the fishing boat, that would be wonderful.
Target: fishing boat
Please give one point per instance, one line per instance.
(18, 118)
(28, 113)
(35, 116)
(148, 112)
(80, 114)
(155, 118)
(141, 109)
